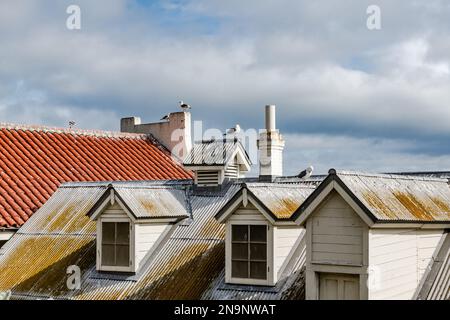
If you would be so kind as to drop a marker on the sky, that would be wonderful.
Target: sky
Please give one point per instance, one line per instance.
(347, 97)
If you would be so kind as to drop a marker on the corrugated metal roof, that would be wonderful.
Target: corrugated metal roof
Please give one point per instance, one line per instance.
(213, 152)
(155, 202)
(33, 263)
(34, 161)
(282, 199)
(400, 198)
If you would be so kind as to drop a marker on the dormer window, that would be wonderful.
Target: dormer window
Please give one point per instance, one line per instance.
(132, 222)
(115, 244)
(249, 252)
(260, 239)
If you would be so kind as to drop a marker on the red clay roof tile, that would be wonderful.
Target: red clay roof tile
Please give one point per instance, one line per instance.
(34, 161)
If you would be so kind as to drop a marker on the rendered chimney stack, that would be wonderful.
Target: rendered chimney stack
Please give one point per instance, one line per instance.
(270, 146)
(174, 133)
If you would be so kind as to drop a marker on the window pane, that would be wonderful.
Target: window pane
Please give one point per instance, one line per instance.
(108, 254)
(258, 233)
(239, 233)
(123, 233)
(239, 269)
(108, 230)
(123, 255)
(239, 251)
(258, 251)
(258, 270)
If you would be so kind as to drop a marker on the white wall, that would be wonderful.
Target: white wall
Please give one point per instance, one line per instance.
(285, 240)
(146, 237)
(337, 233)
(398, 259)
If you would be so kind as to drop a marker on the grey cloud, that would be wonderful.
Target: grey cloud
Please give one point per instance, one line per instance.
(316, 60)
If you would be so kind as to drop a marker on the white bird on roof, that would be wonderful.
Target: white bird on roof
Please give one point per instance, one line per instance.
(234, 130)
(306, 174)
(184, 106)
(166, 117)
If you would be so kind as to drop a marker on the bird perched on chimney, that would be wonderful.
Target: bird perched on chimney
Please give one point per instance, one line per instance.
(166, 117)
(234, 130)
(184, 106)
(305, 174)
(71, 124)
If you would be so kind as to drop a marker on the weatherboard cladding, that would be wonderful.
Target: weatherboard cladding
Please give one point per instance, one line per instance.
(34, 161)
(400, 198)
(33, 263)
(438, 280)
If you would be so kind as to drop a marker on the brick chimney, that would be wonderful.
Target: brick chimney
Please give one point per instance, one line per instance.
(174, 133)
(270, 146)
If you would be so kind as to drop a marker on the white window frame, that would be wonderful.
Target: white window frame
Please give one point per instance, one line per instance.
(246, 281)
(100, 266)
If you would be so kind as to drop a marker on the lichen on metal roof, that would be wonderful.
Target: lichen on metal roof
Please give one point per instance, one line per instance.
(399, 197)
(34, 262)
(282, 200)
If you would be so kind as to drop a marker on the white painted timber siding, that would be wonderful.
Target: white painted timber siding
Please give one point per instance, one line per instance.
(114, 211)
(146, 237)
(337, 234)
(397, 260)
(248, 213)
(285, 242)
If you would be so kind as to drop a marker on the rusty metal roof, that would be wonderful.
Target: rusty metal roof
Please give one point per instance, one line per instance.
(154, 201)
(214, 152)
(282, 200)
(400, 198)
(188, 265)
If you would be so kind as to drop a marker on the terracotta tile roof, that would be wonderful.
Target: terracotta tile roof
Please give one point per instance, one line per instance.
(34, 161)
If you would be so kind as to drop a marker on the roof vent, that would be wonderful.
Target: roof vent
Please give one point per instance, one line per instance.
(213, 161)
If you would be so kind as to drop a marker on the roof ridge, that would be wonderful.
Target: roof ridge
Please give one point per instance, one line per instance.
(390, 176)
(84, 132)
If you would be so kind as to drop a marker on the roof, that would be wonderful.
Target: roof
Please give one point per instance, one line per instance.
(149, 201)
(34, 161)
(214, 152)
(425, 174)
(188, 265)
(278, 200)
(391, 198)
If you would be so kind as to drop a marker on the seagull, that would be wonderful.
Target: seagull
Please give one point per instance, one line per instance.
(305, 174)
(234, 130)
(166, 117)
(71, 124)
(184, 106)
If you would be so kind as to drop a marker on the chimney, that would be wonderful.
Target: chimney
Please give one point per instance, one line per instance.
(270, 146)
(174, 132)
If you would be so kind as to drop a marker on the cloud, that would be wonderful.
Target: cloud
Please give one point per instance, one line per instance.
(328, 74)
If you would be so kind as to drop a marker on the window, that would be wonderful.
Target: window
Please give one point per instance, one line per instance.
(116, 244)
(249, 252)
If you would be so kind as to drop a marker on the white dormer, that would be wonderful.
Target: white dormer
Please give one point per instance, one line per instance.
(213, 161)
(131, 224)
(261, 238)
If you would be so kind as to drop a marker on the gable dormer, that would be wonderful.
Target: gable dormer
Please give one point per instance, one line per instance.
(131, 223)
(214, 161)
(261, 239)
